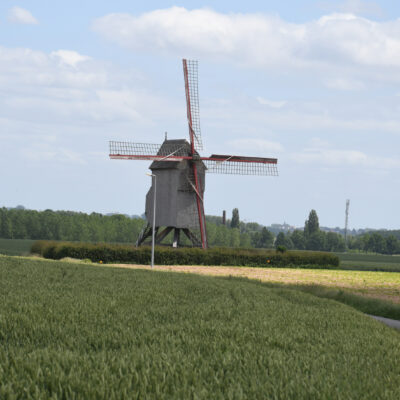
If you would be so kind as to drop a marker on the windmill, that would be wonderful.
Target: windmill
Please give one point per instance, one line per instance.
(180, 172)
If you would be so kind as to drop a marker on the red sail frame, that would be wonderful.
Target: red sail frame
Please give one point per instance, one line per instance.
(199, 200)
(224, 164)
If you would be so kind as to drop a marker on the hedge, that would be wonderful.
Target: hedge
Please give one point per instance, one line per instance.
(113, 253)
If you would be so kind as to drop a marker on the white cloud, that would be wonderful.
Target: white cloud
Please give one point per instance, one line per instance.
(20, 15)
(332, 157)
(27, 68)
(204, 32)
(317, 142)
(65, 86)
(322, 154)
(259, 40)
(256, 145)
(331, 116)
(352, 6)
(43, 153)
(68, 57)
(270, 103)
(344, 84)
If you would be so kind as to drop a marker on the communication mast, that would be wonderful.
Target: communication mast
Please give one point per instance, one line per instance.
(346, 224)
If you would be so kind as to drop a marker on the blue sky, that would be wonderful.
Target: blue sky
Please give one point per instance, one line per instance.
(314, 83)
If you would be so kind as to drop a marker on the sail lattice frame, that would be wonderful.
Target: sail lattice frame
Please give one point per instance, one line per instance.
(182, 151)
(146, 151)
(191, 67)
(217, 164)
(241, 168)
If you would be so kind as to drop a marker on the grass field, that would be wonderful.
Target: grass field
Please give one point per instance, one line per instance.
(369, 262)
(73, 330)
(15, 247)
(379, 285)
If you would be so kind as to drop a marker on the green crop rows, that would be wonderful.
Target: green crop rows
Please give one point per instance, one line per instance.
(80, 331)
(369, 262)
(15, 247)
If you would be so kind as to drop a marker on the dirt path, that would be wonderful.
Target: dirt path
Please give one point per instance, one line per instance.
(383, 285)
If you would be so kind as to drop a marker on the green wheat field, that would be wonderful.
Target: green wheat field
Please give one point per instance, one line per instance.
(369, 262)
(80, 331)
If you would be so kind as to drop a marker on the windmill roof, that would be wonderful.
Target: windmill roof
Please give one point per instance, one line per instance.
(177, 147)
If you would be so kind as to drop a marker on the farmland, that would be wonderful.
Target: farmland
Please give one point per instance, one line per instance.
(79, 330)
(15, 247)
(379, 285)
(369, 262)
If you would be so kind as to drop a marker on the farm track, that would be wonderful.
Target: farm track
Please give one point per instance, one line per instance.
(380, 285)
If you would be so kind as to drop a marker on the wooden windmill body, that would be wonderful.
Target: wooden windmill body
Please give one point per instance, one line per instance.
(180, 172)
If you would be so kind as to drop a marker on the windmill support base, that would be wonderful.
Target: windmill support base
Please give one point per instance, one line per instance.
(160, 236)
(177, 232)
(196, 242)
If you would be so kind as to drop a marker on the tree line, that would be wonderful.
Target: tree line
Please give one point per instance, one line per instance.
(67, 225)
(375, 242)
(20, 223)
(312, 238)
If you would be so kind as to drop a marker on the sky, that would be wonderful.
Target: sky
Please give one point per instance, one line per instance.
(315, 84)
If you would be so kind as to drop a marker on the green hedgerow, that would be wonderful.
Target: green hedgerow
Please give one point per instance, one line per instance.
(112, 253)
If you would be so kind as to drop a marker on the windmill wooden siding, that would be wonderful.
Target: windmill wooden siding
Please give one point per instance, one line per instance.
(176, 197)
(180, 173)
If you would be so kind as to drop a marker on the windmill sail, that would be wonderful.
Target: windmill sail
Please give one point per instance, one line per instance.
(190, 71)
(179, 171)
(240, 165)
(148, 151)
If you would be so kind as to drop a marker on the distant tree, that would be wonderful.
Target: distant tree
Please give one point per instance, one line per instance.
(281, 249)
(334, 242)
(315, 241)
(234, 237)
(280, 240)
(19, 231)
(298, 241)
(253, 227)
(392, 244)
(288, 242)
(341, 245)
(33, 225)
(375, 243)
(365, 242)
(314, 238)
(379, 243)
(242, 227)
(311, 225)
(222, 236)
(263, 239)
(245, 240)
(355, 243)
(6, 231)
(255, 238)
(235, 222)
(211, 232)
(267, 238)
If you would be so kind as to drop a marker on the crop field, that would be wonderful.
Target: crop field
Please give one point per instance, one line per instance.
(369, 262)
(379, 285)
(74, 330)
(15, 247)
